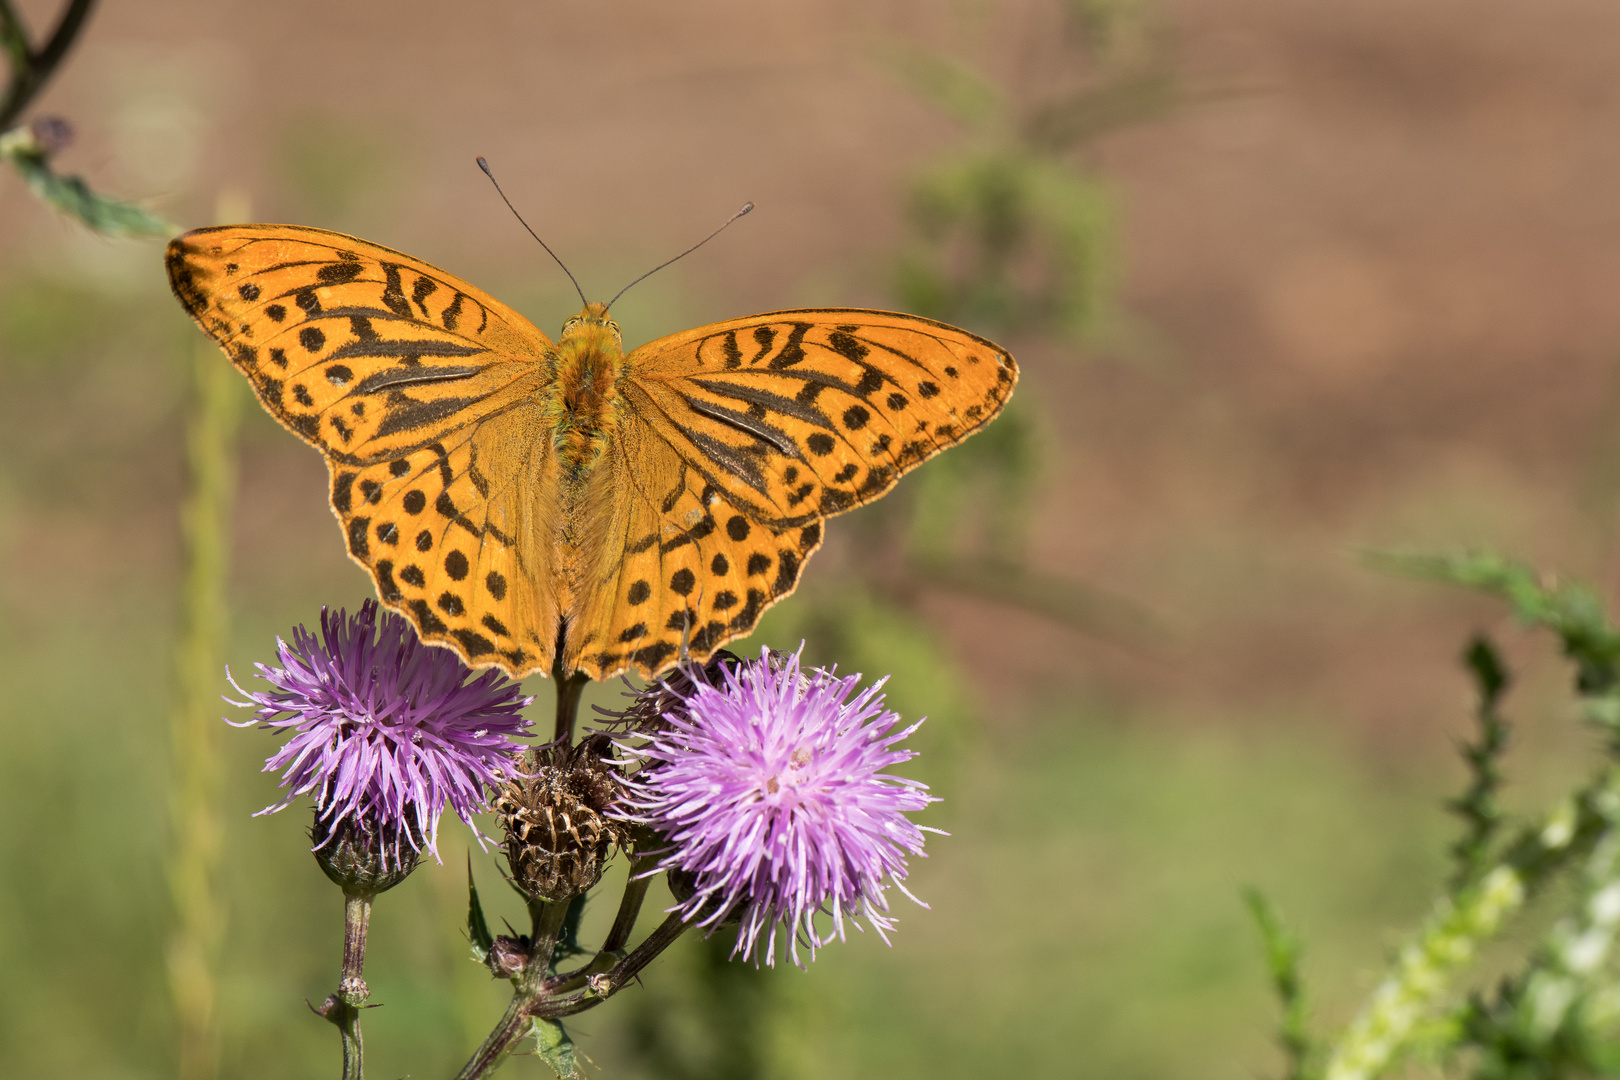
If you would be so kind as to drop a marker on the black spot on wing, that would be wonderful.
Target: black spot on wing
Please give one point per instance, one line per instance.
(653, 656)
(339, 272)
(393, 296)
(474, 644)
(358, 546)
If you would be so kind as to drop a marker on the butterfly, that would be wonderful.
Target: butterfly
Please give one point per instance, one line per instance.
(563, 506)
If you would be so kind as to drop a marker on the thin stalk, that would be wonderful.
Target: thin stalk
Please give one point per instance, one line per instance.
(569, 691)
(635, 891)
(546, 921)
(346, 1018)
(536, 995)
(352, 986)
(605, 985)
(513, 1026)
(30, 70)
(195, 821)
(342, 1009)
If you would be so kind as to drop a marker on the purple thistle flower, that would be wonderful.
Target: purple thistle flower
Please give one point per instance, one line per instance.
(768, 787)
(386, 730)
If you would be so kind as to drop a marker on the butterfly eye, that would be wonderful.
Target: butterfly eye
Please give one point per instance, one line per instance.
(570, 326)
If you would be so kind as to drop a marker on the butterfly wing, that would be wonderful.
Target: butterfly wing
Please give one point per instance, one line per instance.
(737, 440)
(419, 389)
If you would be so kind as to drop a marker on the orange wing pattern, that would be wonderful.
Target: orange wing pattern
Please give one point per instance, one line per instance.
(669, 518)
(405, 377)
(741, 437)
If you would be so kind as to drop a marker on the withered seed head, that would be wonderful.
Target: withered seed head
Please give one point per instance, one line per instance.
(557, 841)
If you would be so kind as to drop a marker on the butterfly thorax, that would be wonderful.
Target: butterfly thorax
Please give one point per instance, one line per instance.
(589, 361)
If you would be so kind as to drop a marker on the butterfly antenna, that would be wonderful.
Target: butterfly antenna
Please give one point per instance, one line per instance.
(745, 208)
(482, 164)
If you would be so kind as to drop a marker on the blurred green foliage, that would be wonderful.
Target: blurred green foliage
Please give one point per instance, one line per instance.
(1013, 231)
(333, 173)
(1555, 1011)
(28, 148)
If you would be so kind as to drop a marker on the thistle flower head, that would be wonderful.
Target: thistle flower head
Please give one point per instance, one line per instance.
(768, 785)
(385, 730)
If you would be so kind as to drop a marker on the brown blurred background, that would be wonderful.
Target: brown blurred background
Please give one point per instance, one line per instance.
(1362, 283)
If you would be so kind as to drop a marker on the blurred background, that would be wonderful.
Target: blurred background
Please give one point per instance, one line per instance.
(1287, 282)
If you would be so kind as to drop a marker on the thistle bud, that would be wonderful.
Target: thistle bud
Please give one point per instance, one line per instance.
(557, 840)
(363, 856)
(508, 958)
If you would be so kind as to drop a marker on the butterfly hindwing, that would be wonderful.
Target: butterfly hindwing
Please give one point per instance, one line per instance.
(683, 568)
(444, 544)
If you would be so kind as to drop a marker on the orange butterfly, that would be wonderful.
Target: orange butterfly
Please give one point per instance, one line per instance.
(562, 506)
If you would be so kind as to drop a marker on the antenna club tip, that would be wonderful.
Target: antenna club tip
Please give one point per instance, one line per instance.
(747, 206)
(482, 164)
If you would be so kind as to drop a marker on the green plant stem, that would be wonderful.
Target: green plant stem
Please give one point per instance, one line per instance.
(343, 1008)
(346, 1018)
(352, 986)
(195, 821)
(30, 70)
(354, 1054)
(611, 952)
(1458, 923)
(1283, 950)
(537, 997)
(514, 1025)
(1478, 806)
(635, 891)
(569, 691)
(601, 987)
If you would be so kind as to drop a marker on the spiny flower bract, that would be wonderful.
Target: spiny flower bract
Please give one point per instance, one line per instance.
(768, 786)
(386, 730)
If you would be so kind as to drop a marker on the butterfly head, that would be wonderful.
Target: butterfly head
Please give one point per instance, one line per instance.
(593, 322)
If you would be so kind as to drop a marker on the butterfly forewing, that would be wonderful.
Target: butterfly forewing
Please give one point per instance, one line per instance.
(799, 415)
(363, 351)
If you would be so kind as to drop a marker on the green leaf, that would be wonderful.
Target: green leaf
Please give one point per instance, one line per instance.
(556, 1048)
(477, 926)
(72, 196)
(1283, 949)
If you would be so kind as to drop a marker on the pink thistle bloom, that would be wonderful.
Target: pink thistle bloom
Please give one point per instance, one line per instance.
(769, 787)
(386, 730)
